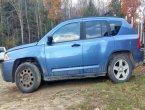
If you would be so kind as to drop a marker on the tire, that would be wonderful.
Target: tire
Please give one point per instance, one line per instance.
(120, 68)
(27, 77)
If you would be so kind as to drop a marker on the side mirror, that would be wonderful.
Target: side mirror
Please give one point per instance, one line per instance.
(50, 39)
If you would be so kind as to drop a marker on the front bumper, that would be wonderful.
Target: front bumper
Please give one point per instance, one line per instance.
(7, 71)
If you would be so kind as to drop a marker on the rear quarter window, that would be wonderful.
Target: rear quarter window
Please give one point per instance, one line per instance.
(126, 28)
(115, 27)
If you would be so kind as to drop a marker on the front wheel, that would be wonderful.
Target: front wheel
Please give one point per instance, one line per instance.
(27, 77)
(120, 68)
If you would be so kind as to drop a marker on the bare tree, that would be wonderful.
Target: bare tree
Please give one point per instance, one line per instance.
(17, 5)
(27, 19)
(37, 19)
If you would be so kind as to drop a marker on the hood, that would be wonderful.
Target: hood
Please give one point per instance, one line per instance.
(22, 46)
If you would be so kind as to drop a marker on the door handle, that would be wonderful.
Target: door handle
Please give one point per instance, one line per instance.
(75, 45)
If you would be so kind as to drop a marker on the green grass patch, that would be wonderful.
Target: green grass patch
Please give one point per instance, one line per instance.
(108, 96)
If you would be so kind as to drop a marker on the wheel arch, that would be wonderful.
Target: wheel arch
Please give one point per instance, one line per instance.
(127, 52)
(19, 61)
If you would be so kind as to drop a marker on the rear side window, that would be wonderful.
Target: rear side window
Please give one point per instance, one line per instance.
(96, 29)
(104, 29)
(115, 27)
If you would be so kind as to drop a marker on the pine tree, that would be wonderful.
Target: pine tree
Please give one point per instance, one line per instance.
(90, 10)
(115, 8)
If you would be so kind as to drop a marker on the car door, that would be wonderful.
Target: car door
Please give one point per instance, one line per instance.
(97, 46)
(64, 55)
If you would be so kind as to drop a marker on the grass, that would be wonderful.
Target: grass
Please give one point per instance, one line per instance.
(104, 95)
(108, 96)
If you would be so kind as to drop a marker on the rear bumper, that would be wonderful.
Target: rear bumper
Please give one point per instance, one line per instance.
(7, 71)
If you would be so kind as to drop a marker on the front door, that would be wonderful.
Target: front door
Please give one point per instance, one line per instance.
(64, 55)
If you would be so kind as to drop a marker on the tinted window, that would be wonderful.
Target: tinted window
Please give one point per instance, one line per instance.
(115, 27)
(68, 32)
(93, 29)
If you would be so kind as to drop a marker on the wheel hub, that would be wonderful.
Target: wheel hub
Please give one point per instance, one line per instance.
(121, 69)
(26, 78)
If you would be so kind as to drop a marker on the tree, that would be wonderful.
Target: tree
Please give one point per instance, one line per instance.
(66, 9)
(27, 19)
(129, 8)
(115, 8)
(143, 9)
(54, 10)
(17, 5)
(90, 9)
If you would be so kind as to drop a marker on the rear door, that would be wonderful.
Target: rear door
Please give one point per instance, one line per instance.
(97, 46)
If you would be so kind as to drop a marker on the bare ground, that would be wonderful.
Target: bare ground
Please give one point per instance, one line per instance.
(58, 95)
(80, 94)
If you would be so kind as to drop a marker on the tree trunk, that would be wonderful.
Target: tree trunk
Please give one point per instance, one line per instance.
(37, 20)
(39, 17)
(28, 25)
(1, 11)
(19, 11)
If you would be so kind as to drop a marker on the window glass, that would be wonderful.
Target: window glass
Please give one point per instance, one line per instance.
(1, 50)
(104, 29)
(68, 32)
(96, 29)
(115, 27)
(93, 29)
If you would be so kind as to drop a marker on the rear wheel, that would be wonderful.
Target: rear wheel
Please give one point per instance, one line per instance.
(120, 68)
(27, 77)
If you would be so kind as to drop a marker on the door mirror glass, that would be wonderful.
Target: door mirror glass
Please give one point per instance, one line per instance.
(50, 40)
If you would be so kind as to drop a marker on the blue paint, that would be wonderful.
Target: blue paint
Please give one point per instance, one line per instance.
(61, 59)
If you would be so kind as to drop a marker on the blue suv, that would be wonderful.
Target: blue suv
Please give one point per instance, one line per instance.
(85, 47)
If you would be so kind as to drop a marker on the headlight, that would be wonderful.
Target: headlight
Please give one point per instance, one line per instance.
(6, 57)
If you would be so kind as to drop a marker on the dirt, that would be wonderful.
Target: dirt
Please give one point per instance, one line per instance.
(58, 95)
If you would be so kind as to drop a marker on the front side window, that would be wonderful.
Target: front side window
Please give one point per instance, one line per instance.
(68, 32)
(115, 27)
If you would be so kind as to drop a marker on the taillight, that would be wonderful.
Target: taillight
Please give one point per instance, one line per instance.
(138, 42)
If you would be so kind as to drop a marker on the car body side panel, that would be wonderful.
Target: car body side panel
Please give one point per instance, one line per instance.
(129, 43)
(63, 59)
(7, 69)
(96, 52)
(122, 42)
(33, 52)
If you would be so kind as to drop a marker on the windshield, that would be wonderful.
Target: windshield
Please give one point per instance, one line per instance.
(2, 50)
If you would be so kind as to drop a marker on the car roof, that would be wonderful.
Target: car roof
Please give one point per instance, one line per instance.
(96, 18)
